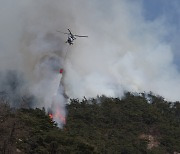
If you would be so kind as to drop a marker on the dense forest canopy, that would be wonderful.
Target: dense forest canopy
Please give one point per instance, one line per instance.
(101, 125)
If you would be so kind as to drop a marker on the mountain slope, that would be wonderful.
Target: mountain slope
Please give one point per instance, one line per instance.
(101, 125)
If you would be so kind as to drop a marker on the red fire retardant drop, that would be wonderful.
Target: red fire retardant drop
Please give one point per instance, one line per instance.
(61, 71)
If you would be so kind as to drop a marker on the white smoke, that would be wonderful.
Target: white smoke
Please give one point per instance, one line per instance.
(30, 44)
(123, 52)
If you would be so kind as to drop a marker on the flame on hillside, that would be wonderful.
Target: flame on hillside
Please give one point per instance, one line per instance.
(57, 116)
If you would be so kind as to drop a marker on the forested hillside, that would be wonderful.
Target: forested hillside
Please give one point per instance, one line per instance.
(103, 125)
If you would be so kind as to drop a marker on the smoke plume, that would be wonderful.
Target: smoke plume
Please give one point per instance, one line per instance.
(123, 52)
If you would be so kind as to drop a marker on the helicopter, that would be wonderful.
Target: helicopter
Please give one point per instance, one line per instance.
(71, 37)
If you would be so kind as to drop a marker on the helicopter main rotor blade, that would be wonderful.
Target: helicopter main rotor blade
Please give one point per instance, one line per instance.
(70, 31)
(62, 32)
(80, 36)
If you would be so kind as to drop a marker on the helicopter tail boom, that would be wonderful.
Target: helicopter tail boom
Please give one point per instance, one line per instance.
(80, 36)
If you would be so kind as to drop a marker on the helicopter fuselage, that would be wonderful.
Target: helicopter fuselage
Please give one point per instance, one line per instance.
(70, 40)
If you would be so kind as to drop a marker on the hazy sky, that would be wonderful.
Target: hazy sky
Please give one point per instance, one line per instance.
(170, 10)
(133, 45)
